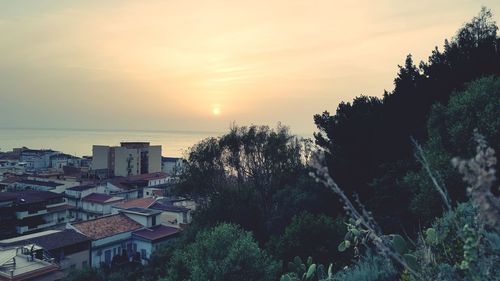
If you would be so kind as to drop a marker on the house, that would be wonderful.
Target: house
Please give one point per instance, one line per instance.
(97, 204)
(111, 237)
(24, 212)
(132, 234)
(136, 203)
(73, 195)
(27, 263)
(149, 240)
(68, 248)
(170, 214)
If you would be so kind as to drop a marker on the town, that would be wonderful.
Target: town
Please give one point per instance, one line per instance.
(61, 212)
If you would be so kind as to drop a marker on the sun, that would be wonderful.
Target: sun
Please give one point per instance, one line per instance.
(216, 110)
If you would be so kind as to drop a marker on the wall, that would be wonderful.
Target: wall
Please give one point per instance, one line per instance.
(100, 157)
(155, 159)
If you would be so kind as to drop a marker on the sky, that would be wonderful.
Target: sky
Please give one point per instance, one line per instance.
(202, 65)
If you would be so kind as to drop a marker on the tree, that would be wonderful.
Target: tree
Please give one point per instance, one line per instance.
(308, 235)
(224, 252)
(450, 130)
(370, 136)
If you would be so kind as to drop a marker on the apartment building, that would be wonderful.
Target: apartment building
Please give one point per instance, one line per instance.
(128, 159)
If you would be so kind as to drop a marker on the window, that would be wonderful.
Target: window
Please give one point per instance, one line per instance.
(144, 254)
(73, 266)
(107, 257)
(153, 221)
(84, 263)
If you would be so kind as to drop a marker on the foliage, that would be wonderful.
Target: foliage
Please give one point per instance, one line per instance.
(369, 268)
(224, 252)
(301, 237)
(450, 130)
(371, 137)
(85, 274)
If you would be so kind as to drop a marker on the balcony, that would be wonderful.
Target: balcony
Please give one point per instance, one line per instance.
(27, 214)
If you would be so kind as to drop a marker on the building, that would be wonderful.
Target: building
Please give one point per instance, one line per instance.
(170, 214)
(176, 216)
(27, 263)
(36, 159)
(29, 211)
(68, 248)
(132, 234)
(171, 165)
(26, 184)
(134, 186)
(96, 205)
(128, 159)
(61, 160)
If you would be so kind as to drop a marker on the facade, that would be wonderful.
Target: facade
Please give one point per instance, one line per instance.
(61, 160)
(171, 165)
(29, 211)
(132, 234)
(128, 159)
(150, 239)
(96, 205)
(36, 159)
(171, 215)
(111, 237)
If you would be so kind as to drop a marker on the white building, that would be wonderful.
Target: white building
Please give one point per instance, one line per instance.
(96, 205)
(128, 159)
(36, 159)
(130, 235)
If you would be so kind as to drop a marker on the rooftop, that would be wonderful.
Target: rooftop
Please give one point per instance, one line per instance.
(28, 196)
(156, 232)
(141, 211)
(151, 176)
(169, 208)
(141, 203)
(82, 187)
(49, 240)
(107, 226)
(170, 159)
(101, 198)
(39, 183)
(60, 208)
(23, 269)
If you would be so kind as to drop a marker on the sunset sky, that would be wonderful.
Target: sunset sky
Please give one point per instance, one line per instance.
(200, 65)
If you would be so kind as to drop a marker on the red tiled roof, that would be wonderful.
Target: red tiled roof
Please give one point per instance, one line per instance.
(140, 203)
(157, 232)
(107, 226)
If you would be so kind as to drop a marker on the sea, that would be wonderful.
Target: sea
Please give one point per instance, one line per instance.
(80, 142)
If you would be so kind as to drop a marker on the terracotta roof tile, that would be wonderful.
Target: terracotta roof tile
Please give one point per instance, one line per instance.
(140, 203)
(107, 226)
